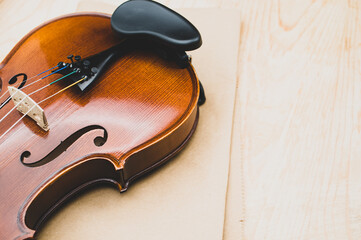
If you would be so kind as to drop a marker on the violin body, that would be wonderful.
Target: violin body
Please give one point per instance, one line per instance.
(138, 114)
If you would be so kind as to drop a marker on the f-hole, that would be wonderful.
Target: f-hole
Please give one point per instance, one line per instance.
(98, 141)
(12, 81)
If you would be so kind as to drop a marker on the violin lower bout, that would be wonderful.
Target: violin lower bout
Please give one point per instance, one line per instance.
(100, 169)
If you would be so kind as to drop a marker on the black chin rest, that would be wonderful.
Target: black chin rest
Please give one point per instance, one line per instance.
(145, 19)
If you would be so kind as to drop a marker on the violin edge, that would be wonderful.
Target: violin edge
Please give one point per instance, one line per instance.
(35, 29)
(189, 126)
(193, 108)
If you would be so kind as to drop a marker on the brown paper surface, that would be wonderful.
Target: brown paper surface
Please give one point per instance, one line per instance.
(185, 199)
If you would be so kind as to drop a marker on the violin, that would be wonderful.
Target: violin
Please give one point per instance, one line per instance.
(92, 98)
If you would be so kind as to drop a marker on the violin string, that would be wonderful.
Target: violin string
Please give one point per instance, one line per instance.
(61, 90)
(38, 79)
(15, 124)
(57, 80)
(44, 77)
(12, 109)
(34, 77)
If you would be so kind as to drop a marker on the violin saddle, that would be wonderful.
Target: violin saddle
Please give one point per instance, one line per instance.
(144, 19)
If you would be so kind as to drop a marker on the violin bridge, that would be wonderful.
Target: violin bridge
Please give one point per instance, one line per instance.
(28, 106)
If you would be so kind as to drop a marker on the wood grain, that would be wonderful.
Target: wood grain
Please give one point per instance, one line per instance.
(295, 156)
(131, 120)
(295, 151)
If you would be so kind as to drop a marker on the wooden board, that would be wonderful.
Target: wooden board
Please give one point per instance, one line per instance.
(295, 155)
(296, 159)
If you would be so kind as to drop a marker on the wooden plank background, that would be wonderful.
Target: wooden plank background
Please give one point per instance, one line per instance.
(295, 154)
(295, 167)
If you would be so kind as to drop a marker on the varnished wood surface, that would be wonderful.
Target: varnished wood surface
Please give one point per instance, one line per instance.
(295, 158)
(143, 107)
